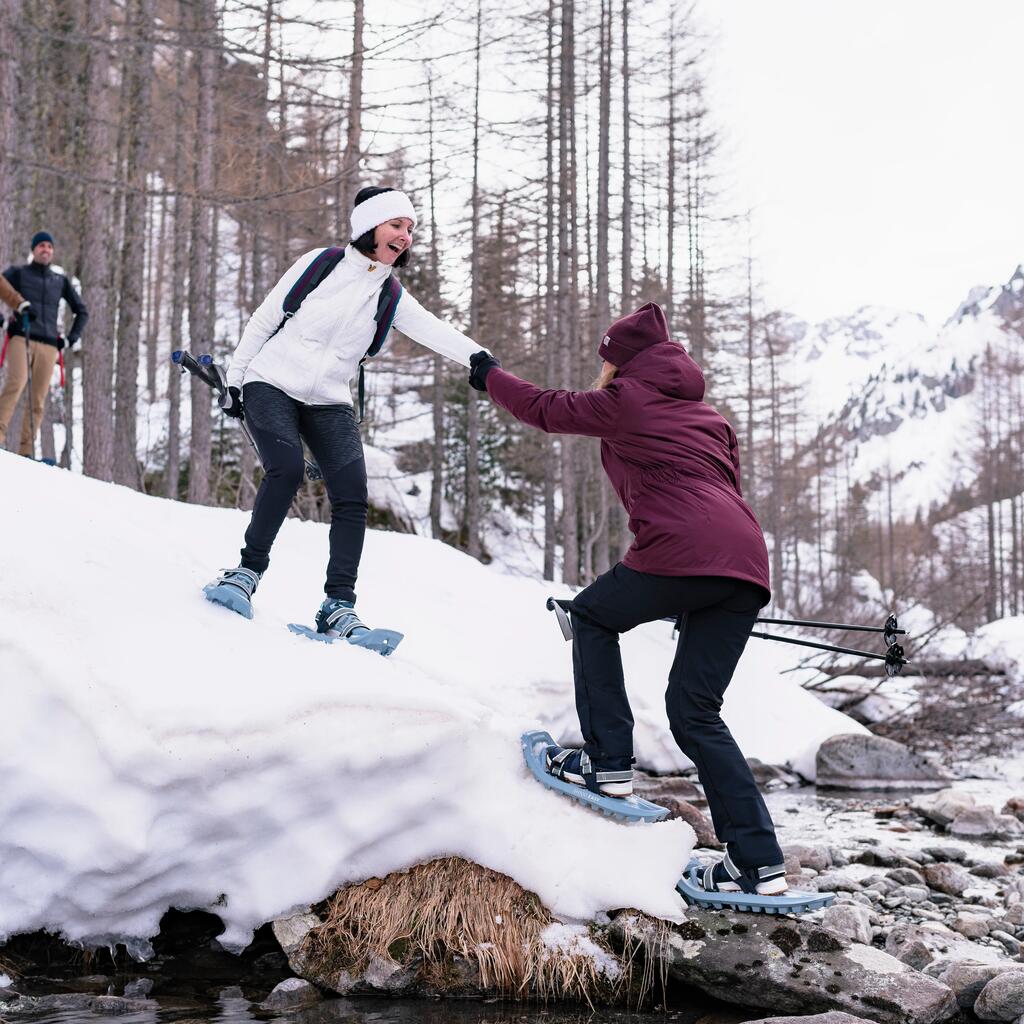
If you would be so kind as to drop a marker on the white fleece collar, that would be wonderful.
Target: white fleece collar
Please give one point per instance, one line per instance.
(357, 262)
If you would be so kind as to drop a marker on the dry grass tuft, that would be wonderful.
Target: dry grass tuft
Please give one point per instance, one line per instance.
(436, 914)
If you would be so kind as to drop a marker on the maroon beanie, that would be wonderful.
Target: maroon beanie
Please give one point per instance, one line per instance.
(633, 333)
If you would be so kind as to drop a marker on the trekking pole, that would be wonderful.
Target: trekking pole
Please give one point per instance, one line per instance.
(213, 376)
(31, 398)
(894, 656)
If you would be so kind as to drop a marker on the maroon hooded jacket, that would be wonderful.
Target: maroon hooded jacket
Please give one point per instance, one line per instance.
(673, 460)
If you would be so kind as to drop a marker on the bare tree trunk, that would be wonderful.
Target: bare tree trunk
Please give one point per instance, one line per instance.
(96, 220)
(159, 265)
(139, 76)
(550, 353)
(353, 140)
(627, 172)
(12, 18)
(473, 411)
(568, 302)
(437, 396)
(200, 313)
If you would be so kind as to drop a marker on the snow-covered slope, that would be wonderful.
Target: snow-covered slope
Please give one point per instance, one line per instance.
(158, 751)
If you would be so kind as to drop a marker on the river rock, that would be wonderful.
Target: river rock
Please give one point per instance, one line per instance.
(791, 966)
(951, 879)
(1002, 998)
(967, 978)
(696, 819)
(658, 788)
(984, 823)
(836, 881)
(832, 1017)
(972, 926)
(942, 807)
(291, 933)
(848, 921)
(863, 761)
(817, 858)
(906, 876)
(1014, 806)
(772, 776)
(291, 994)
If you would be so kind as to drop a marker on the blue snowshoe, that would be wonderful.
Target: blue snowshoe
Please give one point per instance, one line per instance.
(337, 620)
(559, 768)
(723, 886)
(234, 589)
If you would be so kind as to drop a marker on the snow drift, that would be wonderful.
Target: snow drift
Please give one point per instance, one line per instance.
(159, 751)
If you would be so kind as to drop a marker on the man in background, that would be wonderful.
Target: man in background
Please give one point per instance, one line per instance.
(42, 288)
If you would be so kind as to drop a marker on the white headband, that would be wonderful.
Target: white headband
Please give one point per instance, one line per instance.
(379, 208)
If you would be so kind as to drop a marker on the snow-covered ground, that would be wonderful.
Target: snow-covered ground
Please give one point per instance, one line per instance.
(159, 751)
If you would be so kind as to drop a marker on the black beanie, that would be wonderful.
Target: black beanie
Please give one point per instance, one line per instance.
(41, 236)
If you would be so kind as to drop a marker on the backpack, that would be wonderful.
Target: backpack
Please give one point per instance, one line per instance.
(387, 304)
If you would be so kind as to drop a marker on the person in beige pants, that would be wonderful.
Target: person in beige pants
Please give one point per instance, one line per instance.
(43, 289)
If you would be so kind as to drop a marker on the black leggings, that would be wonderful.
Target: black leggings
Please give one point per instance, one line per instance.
(718, 614)
(279, 424)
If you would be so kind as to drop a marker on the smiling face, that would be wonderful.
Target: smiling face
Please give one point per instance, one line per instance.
(392, 238)
(43, 253)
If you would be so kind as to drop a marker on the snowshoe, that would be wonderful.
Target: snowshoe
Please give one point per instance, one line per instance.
(337, 620)
(234, 589)
(536, 749)
(715, 886)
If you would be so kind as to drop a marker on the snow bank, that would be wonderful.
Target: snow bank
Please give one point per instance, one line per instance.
(158, 751)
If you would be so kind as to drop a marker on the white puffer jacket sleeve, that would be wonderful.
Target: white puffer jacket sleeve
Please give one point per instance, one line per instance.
(264, 321)
(422, 326)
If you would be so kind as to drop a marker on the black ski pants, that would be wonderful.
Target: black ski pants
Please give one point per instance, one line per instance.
(717, 615)
(279, 424)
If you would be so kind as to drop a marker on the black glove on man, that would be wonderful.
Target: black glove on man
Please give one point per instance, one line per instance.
(481, 363)
(231, 403)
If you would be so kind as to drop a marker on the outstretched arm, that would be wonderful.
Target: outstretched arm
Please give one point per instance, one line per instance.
(593, 413)
(432, 332)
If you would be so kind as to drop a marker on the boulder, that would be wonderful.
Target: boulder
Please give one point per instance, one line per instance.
(1002, 998)
(863, 761)
(818, 858)
(291, 994)
(789, 966)
(984, 823)
(948, 878)
(832, 1017)
(967, 978)
(836, 881)
(906, 876)
(972, 926)
(772, 776)
(942, 807)
(291, 933)
(1014, 806)
(849, 921)
(658, 788)
(695, 818)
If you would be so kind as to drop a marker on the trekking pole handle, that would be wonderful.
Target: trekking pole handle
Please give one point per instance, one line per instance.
(203, 370)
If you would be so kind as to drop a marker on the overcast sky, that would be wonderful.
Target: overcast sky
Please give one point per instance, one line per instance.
(880, 143)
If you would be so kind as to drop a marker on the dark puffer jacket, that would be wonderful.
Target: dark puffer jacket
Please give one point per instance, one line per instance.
(44, 288)
(673, 461)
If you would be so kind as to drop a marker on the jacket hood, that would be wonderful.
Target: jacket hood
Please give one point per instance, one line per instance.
(667, 367)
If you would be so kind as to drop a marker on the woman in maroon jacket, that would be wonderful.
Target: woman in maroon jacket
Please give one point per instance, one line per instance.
(698, 553)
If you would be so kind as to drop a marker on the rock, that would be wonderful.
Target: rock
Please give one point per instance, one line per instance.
(790, 966)
(772, 776)
(916, 954)
(290, 994)
(658, 788)
(1006, 940)
(117, 1006)
(1014, 806)
(863, 761)
(832, 1017)
(948, 878)
(849, 921)
(695, 818)
(818, 858)
(953, 853)
(1002, 998)
(139, 988)
(911, 893)
(973, 926)
(967, 978)
(906, 876)
(984, 823)
(942, 807)
(836, 881)
(291, 933)
(76, 1003)
(989, 869)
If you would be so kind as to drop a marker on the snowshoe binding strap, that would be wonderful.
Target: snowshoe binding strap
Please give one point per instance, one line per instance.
(570, 764)
(244, 579)
(339, 617)
(725, 876)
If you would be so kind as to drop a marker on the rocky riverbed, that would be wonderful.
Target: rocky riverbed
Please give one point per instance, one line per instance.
(927, 925)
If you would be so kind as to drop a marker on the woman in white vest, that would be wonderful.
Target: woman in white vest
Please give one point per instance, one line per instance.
(290, 378)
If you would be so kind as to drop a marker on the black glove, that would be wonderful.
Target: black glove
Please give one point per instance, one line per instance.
(481, 363)
(27, 309)
(63, 343)
(231, 403)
